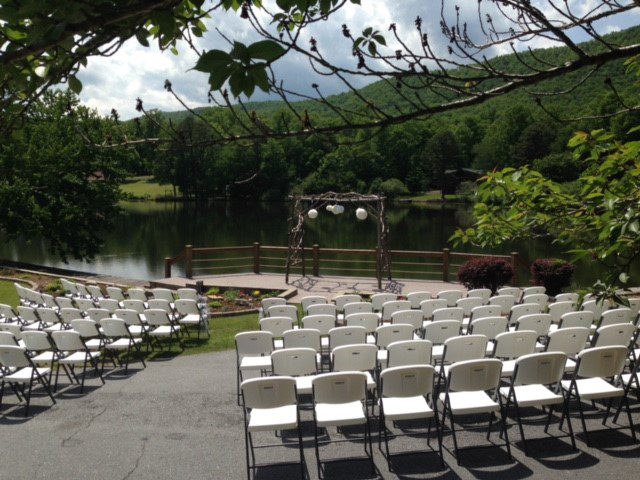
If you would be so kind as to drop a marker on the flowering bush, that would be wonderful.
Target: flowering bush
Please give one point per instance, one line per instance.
(485, 272)
(552, 273)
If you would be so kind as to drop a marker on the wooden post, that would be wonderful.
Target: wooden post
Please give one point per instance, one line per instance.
(188, 261)
(445, 264)
(316, 260)
(379, 268)
(514, 265)
(167, 267)
(256, 257)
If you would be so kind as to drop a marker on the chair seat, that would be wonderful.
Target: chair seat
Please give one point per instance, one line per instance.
(553, 327)
(164, 330)
(303, 384)
(406, 408)
(44, 357)
(371, 338)
(570, 365)
(93, 343)
(138, 330)
(25, 374)
(594, 388)
(371, 383)
(32, 327)
(191, 319)
(382, 355)
(269, 419)
(540, 347)
(324, 342)
(533, 395)
(255, 363)
(463, 403)
(78, 358)
(626, 378)
(508, 367)
(490, 346)
(56, 327)
(278, 343)
(437, 351)
(122, 343)
(337, 414)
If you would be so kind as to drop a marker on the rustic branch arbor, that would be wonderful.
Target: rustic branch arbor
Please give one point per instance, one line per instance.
(374, 205)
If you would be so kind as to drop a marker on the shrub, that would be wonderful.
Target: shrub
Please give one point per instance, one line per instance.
(231, 295)
(215, 304)
(213, 291)
(485, 272)
(552, 273)
(392, 187)
(54, 288)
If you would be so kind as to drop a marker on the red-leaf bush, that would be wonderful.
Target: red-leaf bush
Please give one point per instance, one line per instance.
(485, 272)
(552, 273)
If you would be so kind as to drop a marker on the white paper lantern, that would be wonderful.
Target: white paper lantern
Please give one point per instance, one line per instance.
(338, 209)
(361, 214)
(313, 213)
(329, 208)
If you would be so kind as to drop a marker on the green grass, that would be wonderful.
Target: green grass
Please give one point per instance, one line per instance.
(431, 197)
(8, 294)
(146, 188)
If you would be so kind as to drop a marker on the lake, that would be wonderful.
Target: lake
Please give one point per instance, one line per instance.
(149, 231)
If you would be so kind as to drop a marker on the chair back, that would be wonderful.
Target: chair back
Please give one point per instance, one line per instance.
(617, 334)
(515, 344)
(50, 301)
(341, 336)
(323, 323)
(95, 291)
(254, 343)
(48, 315)
(483, 293)
(468, 304)
(389, 308)
(523, 309)
(27, 314)
(490, 327)
(379, 299)
(568, 340)
(276, 325)
(269, 302)
(475, 375)
(558, 309)
(97, 314)
(188, 294)
(110, 304)
(86, 327)
(387, 334)
(545, 368)
(616, 316)
(354, 358)
(505, 302)
(8, 338)
(6, 312)
(342, 300)
(160, 304)
(114, 327)
(131, 317)
(449, 313)
(514, 292)
(537, 290)
(306, 302)
(451, 296)
(416, 298)
(598, 307)
(407, 381)
(13, 357)
(269, 392)
(68, 341)
(439, 332)
(464, 347)
(411, 317)
(302, 338)
(187, 306)
(36, 341)
(68, 286)
(68, 314)
(568, 297)
(84, 304)
(294, 362)
(539, 322)
(339, 387)
(115, 293)
(409, 352)
(162, 294)
(357, 307)
(601, 361)
(137, 294)
(430, 306)
(368, 320)
(323, 309)
(582, 318)
(289, 311)
(134, 304)
(157, 317)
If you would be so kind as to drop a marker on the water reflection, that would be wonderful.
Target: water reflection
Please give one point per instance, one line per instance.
(149, 231)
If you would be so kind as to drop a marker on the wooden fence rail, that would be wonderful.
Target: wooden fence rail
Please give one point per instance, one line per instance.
(259, 258)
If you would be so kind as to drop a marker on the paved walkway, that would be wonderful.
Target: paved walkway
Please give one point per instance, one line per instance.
(327, 286)
(178, 419)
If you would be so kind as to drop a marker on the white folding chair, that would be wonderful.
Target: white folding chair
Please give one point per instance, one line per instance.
(389, 308)
(369, 320)
(301, 338)
(449, 313)
(379, 299)
(7, 314)
(299, 363)
(514, 292)
(615, 316)
(306, 302)
(406, 393)
(322, 323)
(451, 296)
(523, 309)
(611, 335)
(118, 338)
(270, 404)
(267, 303)
(541, 299)
(438, 332)
(163, 294)
(342, 300)
(339, 400)
(84, 304)
(490, 327)
(576, 319)
(341, 336)
(137, 294)
(75, 353)
(64, 302)
(596, 378)
(115, 293)
(537, 290)
(468, 304)
(505, 302)
(190, 315)
(290, 311)
(161, 326)
(253, 354)
(357, 307)
(97, 314)
(387, 334)
(276, 326)
(535, 384)
(459, 349)
(323, 309)
(135, 324)
(188, 294)
(570, 341)
(558, 309)
(412, 317)
(568, 297)
(430, 306)
(69, 287)
(471, 389)
(356, 358)
(110, 304)
(89, 331)
(21, 371)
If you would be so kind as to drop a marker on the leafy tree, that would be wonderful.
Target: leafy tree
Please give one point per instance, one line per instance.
(55, 185)
(442, 152)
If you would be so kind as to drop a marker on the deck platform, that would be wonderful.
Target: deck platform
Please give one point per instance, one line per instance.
(327, 286)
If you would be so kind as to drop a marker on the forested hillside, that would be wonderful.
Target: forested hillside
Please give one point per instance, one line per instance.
(508, 131)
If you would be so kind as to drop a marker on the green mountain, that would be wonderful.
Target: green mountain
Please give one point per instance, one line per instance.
(579, 102)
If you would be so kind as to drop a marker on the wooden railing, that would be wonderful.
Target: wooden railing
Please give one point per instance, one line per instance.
(258, 258)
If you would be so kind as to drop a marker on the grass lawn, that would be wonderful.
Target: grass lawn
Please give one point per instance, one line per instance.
(146, 188)
(8, 294)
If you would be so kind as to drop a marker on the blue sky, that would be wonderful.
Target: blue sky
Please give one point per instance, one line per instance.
(136, 71)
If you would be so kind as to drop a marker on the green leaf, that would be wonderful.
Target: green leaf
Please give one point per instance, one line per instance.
(141, 36)
(260, 78)
(266, 50)
(213, 60)
(74, 84)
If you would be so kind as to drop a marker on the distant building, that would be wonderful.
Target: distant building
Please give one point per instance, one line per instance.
(453, 178)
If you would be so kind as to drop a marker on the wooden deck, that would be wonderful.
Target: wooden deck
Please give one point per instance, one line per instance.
(327, 286)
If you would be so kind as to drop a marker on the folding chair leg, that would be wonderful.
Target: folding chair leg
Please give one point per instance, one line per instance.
(582, 420)
(28, 398)
(566, 412)
(631, 426)
(519, 420)
(453, 433)
(439, 435)
(317, 448)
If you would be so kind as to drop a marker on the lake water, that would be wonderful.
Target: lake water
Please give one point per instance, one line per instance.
(150, 231)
